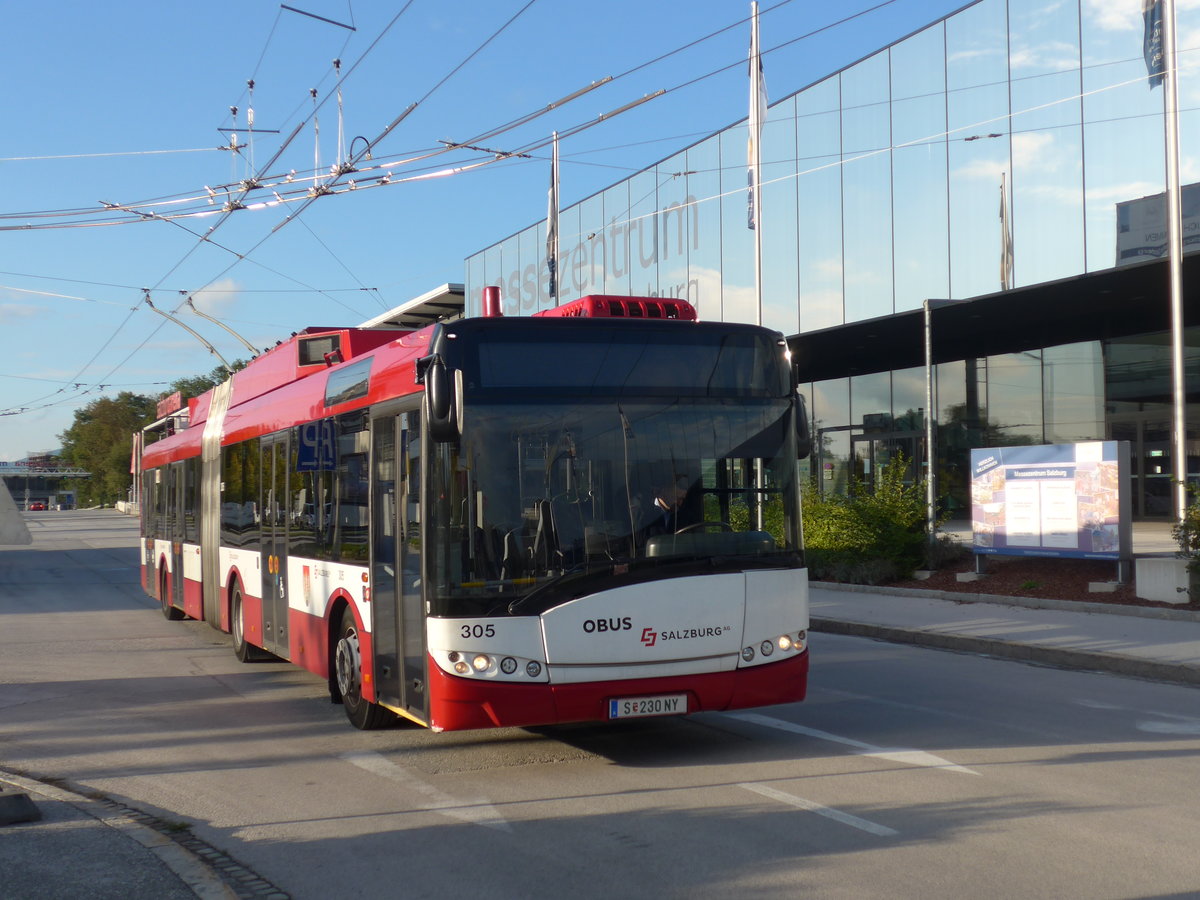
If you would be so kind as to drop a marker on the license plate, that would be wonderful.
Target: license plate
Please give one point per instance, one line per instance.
(636, 707)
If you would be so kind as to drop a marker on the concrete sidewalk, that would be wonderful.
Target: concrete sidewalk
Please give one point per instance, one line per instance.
(83, 847)
(1144, 642)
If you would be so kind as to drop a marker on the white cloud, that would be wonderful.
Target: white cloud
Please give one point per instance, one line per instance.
(10, 312)
(829, 267)
(1112, 16)
(219, 298)
(1118, 192)
(1049, 56)
(718, 300)
(972, 55)
(1033, 148)
(1066, 194)
(984, 169)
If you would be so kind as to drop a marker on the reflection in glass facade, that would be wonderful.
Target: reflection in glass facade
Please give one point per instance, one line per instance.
(882, 188)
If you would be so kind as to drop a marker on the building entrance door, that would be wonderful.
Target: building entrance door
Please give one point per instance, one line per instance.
(869, 453)
(1149, 436)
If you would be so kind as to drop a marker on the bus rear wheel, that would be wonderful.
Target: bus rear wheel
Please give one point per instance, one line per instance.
(347, 659)
(242, 649)
(169, 611)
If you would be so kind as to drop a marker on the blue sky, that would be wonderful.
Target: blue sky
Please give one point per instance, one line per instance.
(121, 103)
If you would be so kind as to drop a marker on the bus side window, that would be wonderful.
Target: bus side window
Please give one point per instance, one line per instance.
(301, 503)
(149, 515)
(348, 537)
(191, 471)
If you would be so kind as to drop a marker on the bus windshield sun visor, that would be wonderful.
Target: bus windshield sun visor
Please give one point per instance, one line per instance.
(685, 364)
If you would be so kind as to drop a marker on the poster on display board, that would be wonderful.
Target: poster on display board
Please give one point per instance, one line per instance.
(1068, 500)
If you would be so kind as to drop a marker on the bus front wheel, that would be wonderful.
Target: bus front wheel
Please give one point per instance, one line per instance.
(347, 658)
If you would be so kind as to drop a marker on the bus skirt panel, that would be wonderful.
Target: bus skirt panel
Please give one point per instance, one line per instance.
(462, 703)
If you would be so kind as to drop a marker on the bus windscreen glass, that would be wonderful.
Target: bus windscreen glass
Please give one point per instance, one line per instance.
(541, 497)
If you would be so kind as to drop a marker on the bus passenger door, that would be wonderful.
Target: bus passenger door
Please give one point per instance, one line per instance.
(399, 635)
(412, 602)
(175, 499)
(384, 554)
(273, 504)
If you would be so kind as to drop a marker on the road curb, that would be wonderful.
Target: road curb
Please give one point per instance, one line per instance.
(1080, 606)
(190, 869)
(1031, 653)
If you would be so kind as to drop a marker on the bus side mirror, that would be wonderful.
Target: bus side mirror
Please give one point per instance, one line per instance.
(803, 435)
(440, 403)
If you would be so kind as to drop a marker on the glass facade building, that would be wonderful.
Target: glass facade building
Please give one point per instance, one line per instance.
(884, 186)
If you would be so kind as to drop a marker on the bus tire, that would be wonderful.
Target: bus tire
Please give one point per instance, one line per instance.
(242, 648)
(170, 612)
(347, 660)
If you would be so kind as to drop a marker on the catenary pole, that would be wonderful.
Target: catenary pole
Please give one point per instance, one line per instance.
(1175, 259)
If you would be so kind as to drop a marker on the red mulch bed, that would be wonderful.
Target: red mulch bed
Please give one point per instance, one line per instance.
(1022, 576)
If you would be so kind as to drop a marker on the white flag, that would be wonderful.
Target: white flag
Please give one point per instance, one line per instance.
(1006, 244)
(552, 225)
(758, 115)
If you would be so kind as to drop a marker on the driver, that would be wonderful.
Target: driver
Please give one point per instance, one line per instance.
(664, 514)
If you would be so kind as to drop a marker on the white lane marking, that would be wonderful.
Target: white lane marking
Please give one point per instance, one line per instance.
(828, 812)
(478, 813)
(1184, 727)
(1175, 724)
(900, 755)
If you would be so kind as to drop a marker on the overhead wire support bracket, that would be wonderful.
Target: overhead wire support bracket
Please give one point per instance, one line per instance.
(499, 154)
(301, 12)
(321, 190)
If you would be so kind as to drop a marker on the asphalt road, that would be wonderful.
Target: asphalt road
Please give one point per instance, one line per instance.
(907, 773)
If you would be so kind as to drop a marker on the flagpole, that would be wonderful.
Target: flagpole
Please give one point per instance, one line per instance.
(1175, 258)
(755, 124)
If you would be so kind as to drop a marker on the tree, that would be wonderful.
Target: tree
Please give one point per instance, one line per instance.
(100, 442)
(198, 384)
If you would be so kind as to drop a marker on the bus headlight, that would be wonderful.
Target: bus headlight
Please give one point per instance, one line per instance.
(479, 665)
(785, 645)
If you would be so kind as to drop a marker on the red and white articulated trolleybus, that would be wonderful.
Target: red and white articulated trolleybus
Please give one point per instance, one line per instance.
(589, 514)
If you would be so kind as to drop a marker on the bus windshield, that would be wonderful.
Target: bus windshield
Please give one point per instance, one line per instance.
(542, 500)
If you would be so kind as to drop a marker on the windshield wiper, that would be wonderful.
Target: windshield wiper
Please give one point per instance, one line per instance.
(579, 572)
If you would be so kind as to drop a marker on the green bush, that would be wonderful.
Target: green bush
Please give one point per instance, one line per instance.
(870, 537)
(1186, 532)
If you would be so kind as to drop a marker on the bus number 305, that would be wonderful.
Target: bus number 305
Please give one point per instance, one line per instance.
(478, 631)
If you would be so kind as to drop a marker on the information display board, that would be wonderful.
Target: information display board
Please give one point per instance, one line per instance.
(1070, 500)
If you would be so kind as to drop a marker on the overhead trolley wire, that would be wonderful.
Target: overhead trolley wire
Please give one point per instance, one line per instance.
(304, 206)
(386, 178)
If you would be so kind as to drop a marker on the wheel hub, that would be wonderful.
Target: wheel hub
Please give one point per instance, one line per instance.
(348, 665)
